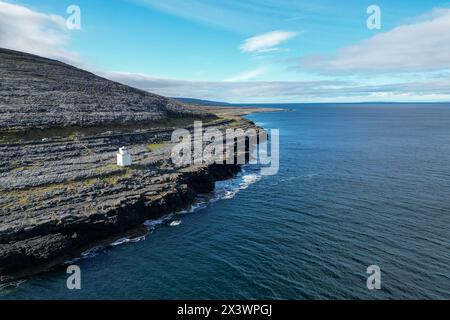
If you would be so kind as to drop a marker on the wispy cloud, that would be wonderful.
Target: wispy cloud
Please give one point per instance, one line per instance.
(242, 17)
(34, 32)
(247, 75)
(267, 41)
(436, 89)
(421, 46)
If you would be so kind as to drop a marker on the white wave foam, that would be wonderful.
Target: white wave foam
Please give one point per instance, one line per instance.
(195, 207)
(175, 223)
(91, 252)
(250, 179)
(95, 251)
(86, 254)
(127, 240)
(152, 224)
(229, 188)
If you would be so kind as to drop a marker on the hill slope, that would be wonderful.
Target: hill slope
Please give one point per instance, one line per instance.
(39, 92)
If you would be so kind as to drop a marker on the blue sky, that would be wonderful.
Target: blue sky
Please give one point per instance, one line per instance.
(247, 51)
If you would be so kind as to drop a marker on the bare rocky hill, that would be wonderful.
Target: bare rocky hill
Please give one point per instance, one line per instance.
(39, 92)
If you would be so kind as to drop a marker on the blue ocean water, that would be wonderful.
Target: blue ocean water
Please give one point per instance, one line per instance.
(359, 185)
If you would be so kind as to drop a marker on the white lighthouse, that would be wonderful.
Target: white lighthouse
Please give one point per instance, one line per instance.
(123, 158)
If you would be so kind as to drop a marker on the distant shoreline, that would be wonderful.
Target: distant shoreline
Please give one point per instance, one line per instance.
(235, 111)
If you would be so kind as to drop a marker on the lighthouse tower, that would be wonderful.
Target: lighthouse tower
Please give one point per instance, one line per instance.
(123, 158)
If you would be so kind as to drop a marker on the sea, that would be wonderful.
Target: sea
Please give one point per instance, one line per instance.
(359, 185)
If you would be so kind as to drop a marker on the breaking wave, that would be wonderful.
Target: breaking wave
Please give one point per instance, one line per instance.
(229, 188)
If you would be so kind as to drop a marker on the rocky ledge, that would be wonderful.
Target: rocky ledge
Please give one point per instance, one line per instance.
(61, 196)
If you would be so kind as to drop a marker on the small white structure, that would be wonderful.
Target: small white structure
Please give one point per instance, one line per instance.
(123, 158)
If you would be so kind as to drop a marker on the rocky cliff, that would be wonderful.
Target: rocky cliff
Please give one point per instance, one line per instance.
(61, 191)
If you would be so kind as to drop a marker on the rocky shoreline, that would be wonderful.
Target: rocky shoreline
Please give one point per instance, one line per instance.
(61, 197)
(61, 189)
(23, 255)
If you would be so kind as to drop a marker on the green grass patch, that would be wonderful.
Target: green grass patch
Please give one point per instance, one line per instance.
(154, 146)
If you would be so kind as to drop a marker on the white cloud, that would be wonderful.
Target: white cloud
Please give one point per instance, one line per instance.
(435, 89)
(42, 34)
(267, 41)
(247, 75)
(219, 90)
(421, 46)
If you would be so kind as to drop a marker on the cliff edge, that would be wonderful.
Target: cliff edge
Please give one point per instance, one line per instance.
(61, 190)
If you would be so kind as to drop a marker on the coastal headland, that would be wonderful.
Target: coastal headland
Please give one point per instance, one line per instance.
(62, 192)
